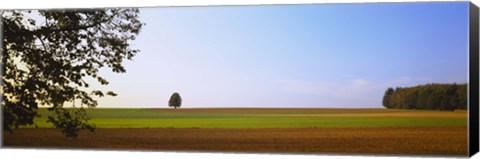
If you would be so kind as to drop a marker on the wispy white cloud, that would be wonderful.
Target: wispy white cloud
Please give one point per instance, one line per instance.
(304, 86)
(355, 89)
(406, 81)
(347, 75)
(359, 82)
(353, 92)
(401, 80)
(350, 92)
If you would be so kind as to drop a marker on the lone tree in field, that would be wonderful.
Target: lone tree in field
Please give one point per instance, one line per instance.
(175, 100)
(46, 60)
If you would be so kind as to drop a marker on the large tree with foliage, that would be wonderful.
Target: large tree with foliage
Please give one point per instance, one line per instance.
(175, 100)
(47, 55)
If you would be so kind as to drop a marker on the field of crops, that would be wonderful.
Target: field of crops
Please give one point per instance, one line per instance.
(378, 131)
(267, 118)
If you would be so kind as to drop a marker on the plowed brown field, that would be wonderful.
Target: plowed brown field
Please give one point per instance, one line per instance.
(419, 141)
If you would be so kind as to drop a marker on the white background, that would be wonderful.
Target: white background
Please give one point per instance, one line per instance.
(82, 154)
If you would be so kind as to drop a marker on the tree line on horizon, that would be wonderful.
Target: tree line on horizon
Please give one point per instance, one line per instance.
(427, 97)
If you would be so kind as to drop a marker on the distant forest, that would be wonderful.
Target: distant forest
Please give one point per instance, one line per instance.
(427, 97)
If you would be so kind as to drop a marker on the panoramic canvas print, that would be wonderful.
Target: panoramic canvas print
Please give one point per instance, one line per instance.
(370, 78)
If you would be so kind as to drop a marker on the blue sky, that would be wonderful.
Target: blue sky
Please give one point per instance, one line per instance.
(324, 55)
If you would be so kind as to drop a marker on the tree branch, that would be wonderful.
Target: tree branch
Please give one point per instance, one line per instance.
(43, 44)
(47, 30)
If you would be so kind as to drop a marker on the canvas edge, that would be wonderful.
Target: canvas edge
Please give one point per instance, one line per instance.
(473, 90)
